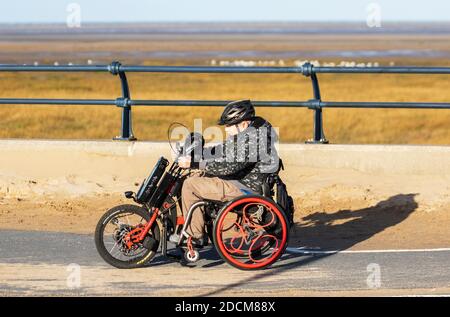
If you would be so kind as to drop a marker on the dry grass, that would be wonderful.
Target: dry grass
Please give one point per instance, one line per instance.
(150, 123)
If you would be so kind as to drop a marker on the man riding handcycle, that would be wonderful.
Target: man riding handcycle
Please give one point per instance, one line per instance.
(231, 203)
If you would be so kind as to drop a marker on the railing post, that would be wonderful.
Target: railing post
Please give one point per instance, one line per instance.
(127, 127)
(319, 136)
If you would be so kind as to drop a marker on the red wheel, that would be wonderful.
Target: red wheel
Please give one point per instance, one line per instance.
(251, 232)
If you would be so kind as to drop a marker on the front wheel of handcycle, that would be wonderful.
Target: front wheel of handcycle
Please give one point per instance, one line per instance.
(115, 237)
(251, 232)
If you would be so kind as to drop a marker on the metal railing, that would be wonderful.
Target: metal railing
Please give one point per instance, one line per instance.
(308, 70)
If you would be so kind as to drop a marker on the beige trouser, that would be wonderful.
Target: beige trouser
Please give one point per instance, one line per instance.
(197, 188)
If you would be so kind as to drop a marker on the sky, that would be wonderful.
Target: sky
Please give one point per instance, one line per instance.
(48, 11)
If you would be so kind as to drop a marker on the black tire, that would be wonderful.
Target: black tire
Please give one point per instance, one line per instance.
(210, 232)
(136, 262)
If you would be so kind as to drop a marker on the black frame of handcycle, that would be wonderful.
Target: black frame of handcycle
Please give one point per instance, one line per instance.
(169, 184)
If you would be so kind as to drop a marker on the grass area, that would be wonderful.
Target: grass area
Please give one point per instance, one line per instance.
(393, 126)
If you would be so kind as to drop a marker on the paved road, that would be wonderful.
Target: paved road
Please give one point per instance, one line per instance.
(37, 263)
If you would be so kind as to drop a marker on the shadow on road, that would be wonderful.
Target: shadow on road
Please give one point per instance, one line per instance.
(320, 230)
(345, 228)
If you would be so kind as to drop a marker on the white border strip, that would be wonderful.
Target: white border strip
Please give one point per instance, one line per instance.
(318, 251)
(429, 295)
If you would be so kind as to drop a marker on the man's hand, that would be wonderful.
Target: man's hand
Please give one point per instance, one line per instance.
(184, 161)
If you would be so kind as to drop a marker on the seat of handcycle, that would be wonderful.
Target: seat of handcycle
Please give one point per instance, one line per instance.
(214, 201)
(215, 205)
(220, 202)
(267, 188)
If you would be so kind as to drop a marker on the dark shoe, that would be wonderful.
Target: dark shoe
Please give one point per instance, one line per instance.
(200, 242)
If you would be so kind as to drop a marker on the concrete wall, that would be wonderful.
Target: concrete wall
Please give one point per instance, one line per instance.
(80, 167)
(382, 159)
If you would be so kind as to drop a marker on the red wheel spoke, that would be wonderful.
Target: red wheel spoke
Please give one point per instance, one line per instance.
(241, 234)
(273, 249)
(260, 237)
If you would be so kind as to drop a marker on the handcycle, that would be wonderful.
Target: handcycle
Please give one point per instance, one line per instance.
(248, 232)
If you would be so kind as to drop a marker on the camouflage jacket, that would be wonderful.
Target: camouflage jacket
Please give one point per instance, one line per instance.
(247, 157)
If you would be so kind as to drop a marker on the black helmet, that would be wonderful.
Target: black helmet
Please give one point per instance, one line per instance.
(237, 111)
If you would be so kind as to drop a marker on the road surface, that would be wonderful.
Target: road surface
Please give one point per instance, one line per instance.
(52, 264)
